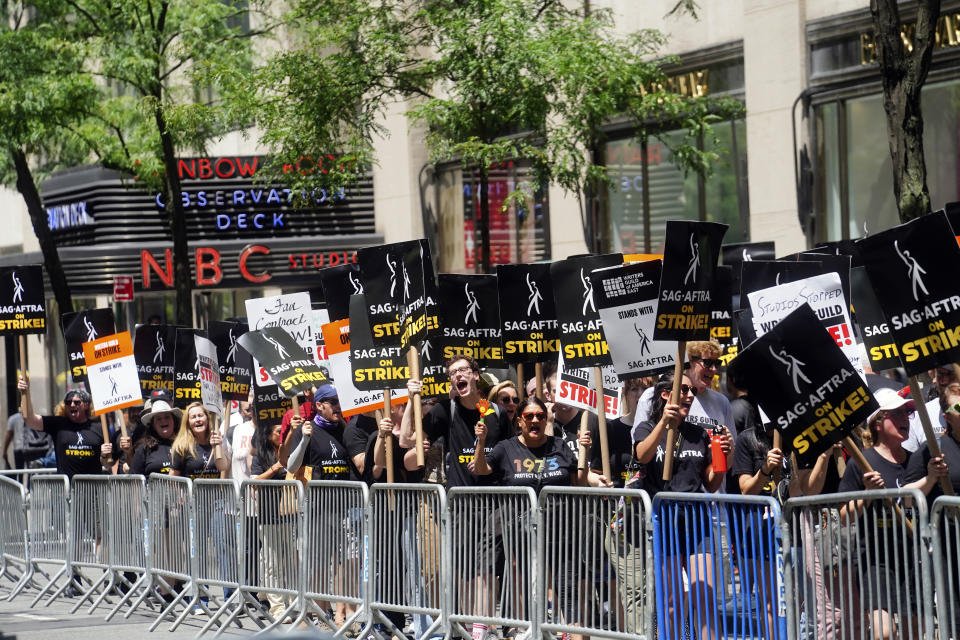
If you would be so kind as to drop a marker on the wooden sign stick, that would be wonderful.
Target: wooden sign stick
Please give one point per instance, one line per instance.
(602, 422)
(521, 388)
(25, 403)
(538, 371)
(583, 451)
(857, 455)
(104, 429)
(932, 445)
(388, 441)
(777, 444)
(413, 363)
(675, 399)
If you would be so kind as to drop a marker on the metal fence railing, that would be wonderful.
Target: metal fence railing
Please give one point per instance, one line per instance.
(414, 560)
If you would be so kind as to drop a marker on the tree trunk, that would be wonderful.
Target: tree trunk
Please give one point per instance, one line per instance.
(484, 220)
(903, 74)
(38, 216)
(177, 223)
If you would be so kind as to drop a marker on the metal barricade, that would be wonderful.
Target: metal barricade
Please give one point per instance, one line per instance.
(273, 538)
(407, 570)
(594, 549)
(856, 566)
(127, 524)
(48, 529)
(90, 543)
(721, 566)
(169, 547)
(335, 526)
(216, 523)
(945, 547)
(23, 476)
(481, 522)
(14, 554)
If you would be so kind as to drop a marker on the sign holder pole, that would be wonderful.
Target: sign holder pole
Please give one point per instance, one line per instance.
(538, 369)
(956, 371)
(675, 399)
(413, 363)
(122, 423)
(388, 441)
(777, 444)
(104, 429)
(602, 422)
(521, 388)
(865, 466)
(583, 452)
(22, 343)
(223, 431)
(932, 446)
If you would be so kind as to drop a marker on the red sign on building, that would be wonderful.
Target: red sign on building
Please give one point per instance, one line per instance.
(123, 288)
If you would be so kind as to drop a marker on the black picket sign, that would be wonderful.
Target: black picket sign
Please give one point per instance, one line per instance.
(527, 315)
(805, 384)
(721, 310)
(582, 340)
(758, 275)
(83, 326)
(288, 365)
(186, 365)
(154, 347)
(690, 254)
(270, 405)
(235, 363)
(339, 283)
(743, 321)
(912, 268)
(393, 283)
(470, 318)
(874, 329)
(829, 263)
(374, 368)
(736, 253)
(22, 302)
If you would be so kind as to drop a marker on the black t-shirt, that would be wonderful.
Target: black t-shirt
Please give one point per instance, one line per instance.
(156, 460)
(620, 445)
(258, 466)
(552, 464)
(327, 454)
(77, 446)
(876, 516)
(458, 430)
(400, 473)
(568, 432)
(746, 414)
(750, 455)
(917, 465)
(691, 458)
(135, 431)
(357, 433)
(201, 466)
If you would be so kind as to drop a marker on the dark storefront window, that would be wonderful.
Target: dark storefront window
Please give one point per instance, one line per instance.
(635, 224)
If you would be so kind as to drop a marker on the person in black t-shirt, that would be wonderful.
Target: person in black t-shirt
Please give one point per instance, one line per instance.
(405, 467)
(153, 453)
(78, 441)
(319, 443)
(356, 437)
(196, 451)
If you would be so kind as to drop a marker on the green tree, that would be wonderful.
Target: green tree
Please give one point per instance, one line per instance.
(44, 93)
(903, 72)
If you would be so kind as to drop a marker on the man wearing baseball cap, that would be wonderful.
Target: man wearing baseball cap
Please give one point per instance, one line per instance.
(77, 439)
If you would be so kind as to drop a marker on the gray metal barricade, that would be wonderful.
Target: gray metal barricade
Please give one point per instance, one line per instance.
(48, 529)
(594, 549)
(482, 521)
(23, 476)
(335, 526)
(945, 548)
(90, 543)
(407, 569)
(276, 531)
(169, 547)
(14, 553)
(127, 524)
(856, 566)
(216, 525)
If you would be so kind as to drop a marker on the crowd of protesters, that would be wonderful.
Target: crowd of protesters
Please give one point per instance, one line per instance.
(528, 441)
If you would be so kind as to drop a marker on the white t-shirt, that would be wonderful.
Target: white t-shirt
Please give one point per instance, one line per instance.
(917, 437)
(241, 445)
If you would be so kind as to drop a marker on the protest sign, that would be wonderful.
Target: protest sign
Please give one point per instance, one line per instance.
(373, 368)
(288, 364)
(393, 282)
(320, 318)
(581, 331)
(626, 297)
(743, 321)
(874, 330)
(235, 363)
(112, 372)
(576, 388)
(433, 366)
(527, 316)
(83, 326)
(270, 405)
(805, 384)
(153, 350)
(824, 294)
(352, 400)
(339, 283)
(758, 275)
(186, 365)
(734, 255)
(470, 318)
(690, 257)
(721, 306)
(912, 268)
(829, 263)
(208, 368)
(291, 312)
(22, 301)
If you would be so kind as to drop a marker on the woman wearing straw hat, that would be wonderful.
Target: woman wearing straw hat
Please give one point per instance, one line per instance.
(152, 453)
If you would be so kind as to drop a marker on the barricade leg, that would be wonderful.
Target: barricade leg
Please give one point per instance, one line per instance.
(91, 543)
(48, 532)
(215, 516)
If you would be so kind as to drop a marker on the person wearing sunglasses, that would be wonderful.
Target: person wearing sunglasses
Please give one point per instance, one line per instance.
(923, 471)
(505, 394)
(693, 473)
(78, 441)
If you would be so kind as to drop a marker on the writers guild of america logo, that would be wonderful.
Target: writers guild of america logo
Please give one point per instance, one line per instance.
(281, 352)
(694, 262)
(472, 304)
(587, 293)
(533, 302)
(793, 367)
(914, 271)
(91, 330)
(17, 288)
(232, 351)
(160, 348)
(355, 283)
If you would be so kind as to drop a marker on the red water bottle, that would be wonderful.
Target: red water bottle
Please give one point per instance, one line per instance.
(716, 451)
